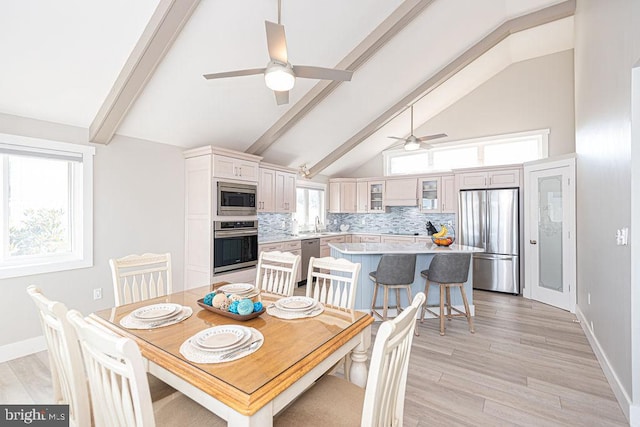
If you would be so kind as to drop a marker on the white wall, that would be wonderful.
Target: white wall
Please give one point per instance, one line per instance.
(138, 207)
(606, 47)
(532, 94)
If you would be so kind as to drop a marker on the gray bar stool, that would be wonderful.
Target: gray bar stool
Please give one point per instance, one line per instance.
(447, 271)
(395, 271)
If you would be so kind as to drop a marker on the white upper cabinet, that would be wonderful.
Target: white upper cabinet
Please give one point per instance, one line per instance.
(343, 195)
(429, 194)
(401, 192)
(490, 178)
(266, 193)
(449, 195)
(237, 169)
(370, 196)
(276, 190)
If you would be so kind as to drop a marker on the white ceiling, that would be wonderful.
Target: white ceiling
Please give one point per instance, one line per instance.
(60, 59)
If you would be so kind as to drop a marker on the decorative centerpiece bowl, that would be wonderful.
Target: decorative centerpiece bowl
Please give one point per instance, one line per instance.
(443, 241)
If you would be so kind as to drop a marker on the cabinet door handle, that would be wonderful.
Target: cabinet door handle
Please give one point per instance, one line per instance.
(533, 242)
(240, 171)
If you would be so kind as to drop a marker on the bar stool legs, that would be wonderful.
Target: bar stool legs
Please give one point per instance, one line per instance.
(446, 309)
(385, 299)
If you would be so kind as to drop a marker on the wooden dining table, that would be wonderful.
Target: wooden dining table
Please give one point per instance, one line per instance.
(251, 390)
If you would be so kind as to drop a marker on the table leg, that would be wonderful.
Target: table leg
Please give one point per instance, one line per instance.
(262, 418)
(358, 370)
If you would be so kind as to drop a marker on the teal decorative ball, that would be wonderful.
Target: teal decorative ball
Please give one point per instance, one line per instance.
(233, 307)
(208, 298)
(257, 306)
(245, 307)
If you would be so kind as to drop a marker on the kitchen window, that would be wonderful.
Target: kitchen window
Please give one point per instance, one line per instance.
(489, 151)
(46, 191)
(310, 205)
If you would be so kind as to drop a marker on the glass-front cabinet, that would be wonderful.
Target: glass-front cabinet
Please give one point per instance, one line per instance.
(376, 195)
(429, 191)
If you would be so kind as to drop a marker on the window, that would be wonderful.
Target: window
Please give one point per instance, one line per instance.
(46, 200)
(490, 151)
(310, 205)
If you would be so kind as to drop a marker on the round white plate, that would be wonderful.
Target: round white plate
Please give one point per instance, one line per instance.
(157, 311)
(296, 303)
(236, 288)
(222, 337)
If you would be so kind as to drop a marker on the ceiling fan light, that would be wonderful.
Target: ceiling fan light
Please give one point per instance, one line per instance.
(411, 145)
(279, 78)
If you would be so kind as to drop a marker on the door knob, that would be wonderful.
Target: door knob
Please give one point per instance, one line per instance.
(533, 242)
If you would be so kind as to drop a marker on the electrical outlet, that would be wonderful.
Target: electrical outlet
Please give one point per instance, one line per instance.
(97, 293)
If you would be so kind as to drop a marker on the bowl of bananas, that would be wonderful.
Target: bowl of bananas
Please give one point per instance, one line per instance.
(442, 237)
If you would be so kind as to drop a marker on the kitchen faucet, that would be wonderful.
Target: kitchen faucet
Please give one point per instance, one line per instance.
(317, 227)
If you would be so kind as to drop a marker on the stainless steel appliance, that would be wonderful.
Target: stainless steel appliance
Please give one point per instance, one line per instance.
(489, 220)
(310, 248)
(236, 199)
(235, 245)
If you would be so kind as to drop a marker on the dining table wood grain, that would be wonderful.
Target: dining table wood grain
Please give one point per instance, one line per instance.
(251, 390)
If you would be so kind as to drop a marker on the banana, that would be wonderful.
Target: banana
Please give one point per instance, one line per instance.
(443, 232)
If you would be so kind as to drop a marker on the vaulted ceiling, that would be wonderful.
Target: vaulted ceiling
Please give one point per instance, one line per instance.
(135, 68)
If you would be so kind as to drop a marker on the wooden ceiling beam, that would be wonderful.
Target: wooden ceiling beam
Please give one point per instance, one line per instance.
(384, 32)
(521, 23)
(164, 26)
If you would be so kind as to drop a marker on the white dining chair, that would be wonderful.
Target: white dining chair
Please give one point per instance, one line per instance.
(333, 282)
(277, 272)
(65, 359)
(333, 401)
(119, 389)
(140, 277)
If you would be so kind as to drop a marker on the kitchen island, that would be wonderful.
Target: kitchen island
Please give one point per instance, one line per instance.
(369, 254)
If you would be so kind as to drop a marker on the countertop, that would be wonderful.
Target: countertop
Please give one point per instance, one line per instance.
(400, 248)
(284, 237)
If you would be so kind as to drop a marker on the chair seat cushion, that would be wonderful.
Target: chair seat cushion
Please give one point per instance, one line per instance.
(178, 410)
(332, 401)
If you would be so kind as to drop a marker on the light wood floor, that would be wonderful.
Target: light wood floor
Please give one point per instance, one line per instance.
(528, 364)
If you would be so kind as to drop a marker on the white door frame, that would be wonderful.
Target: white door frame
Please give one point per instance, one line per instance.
(569, 229)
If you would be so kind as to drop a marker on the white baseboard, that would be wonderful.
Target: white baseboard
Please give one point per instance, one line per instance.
(616, 386)
(22, 348)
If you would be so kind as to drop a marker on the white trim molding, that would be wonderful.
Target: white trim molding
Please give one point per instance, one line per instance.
(22, 348)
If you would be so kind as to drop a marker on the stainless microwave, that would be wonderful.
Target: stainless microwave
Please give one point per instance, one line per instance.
(236, 199)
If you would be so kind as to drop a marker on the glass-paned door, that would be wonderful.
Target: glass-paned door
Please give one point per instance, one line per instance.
(550, 239)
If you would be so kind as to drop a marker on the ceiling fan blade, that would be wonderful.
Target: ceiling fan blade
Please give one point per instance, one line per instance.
(396, 137)
(309, 72)
(276, 42)
(430, 137)
(282, 97)
(234, 73)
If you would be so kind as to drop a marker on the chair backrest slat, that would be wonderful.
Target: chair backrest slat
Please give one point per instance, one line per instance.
(276, 272)
(386, 384)
(67, 371)
(140, 277)
(333, 282)
(117, 377)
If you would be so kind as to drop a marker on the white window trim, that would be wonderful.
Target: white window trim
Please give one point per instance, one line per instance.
(542, 134)
(83, 254)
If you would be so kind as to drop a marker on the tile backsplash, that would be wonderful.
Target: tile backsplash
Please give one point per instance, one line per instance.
(395, 219)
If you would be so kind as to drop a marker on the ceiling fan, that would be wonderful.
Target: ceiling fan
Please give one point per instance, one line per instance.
(412, 142)
(279, 74)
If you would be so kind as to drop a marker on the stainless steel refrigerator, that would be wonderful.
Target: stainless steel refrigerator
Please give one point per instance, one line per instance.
(489, 220)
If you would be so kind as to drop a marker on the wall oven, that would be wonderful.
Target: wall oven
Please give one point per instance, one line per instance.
(236, 199)
(235, 245)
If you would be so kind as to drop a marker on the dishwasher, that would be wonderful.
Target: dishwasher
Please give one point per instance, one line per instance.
(310, 248)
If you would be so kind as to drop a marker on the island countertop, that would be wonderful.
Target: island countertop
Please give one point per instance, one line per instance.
(400, 248)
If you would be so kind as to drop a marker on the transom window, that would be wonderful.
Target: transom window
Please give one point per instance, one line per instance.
(46, 191)
(489, 151)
